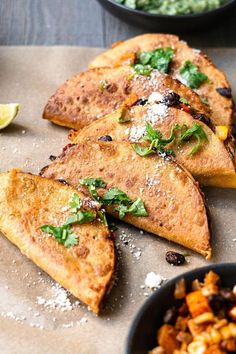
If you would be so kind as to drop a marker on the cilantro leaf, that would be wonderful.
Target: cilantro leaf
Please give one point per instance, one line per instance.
(116, 196)
(144, 58)
(198, 133)
(81, 217)
(142, 150)
(183, 100)
(62, 234)
(141, 69)
(138, 208)
(193, 77)
(96, 182)
(75, 203)
(159, 59)
(151, 133)
(122, 210)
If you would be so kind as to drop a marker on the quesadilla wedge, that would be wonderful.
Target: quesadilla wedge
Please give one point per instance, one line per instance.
(190, 66)
(97, 92)
(166, 200)
(211, 160)
(80, 256)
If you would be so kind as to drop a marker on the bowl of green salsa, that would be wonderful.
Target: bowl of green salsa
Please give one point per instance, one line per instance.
(170, 15)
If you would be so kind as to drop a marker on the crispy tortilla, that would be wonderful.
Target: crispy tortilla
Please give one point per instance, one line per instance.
(221, 106)
(28, 202)
(175, 205)
(97, 92)
(213, 159)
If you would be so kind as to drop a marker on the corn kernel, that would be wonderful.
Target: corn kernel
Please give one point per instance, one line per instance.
(204, 317)
(215, 336)
(232, 328)
(220, 323)
(222, 132)
(225, 332)
(232, 313)
(197, 347)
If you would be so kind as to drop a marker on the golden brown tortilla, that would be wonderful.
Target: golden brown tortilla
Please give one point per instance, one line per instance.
(28, 202)
(175, 205)
(97, 92)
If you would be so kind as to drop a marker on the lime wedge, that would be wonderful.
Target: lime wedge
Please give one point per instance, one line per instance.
(8, 113)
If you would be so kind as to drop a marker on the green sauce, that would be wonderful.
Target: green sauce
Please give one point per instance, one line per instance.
(173, 7)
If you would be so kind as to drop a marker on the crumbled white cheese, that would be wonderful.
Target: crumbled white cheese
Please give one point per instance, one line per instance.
(155, 97)
(153, 280)
(135, 133)
(156, 113)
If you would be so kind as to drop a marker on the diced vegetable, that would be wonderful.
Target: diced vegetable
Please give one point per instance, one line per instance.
(197, 303)
(222, 132)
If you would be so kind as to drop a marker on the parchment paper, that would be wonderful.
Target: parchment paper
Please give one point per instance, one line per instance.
(29, 76)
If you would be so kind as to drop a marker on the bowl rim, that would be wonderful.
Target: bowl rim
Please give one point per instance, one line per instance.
(169, 283)
(188, 16)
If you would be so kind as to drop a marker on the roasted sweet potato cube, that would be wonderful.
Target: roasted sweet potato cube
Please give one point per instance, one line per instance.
(197, 303)
(194, 328)
(166, 338)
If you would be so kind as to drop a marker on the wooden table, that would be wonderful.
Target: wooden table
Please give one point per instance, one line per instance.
(85, 23)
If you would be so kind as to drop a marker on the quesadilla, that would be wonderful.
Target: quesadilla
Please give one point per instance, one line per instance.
(97, 92)
(211, 160)
(37, 216)
(189, 65)
(166, 200)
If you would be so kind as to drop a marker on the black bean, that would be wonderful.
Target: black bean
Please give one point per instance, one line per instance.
(105, 138)
(170, 316)
(216, 301)
(52, 157)
(175, 258)
(141, 102)
(224, 91)
(171, 99)
(63, 181)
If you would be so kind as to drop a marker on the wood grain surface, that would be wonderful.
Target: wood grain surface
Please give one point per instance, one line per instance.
(85, 23)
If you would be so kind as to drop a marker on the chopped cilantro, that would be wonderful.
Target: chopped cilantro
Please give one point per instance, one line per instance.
(62, 234)
(144, 70)
(116, 196)
(158, 143)
(81, 217)
(193, 77)
(142, 150)
(138, 208)
(124, 203)
(183, 100)
(96, 182)
(198, 133)
(159, 59)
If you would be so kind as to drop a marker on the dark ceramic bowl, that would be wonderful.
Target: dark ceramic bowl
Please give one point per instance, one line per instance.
(165, 23)
(142, 335)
